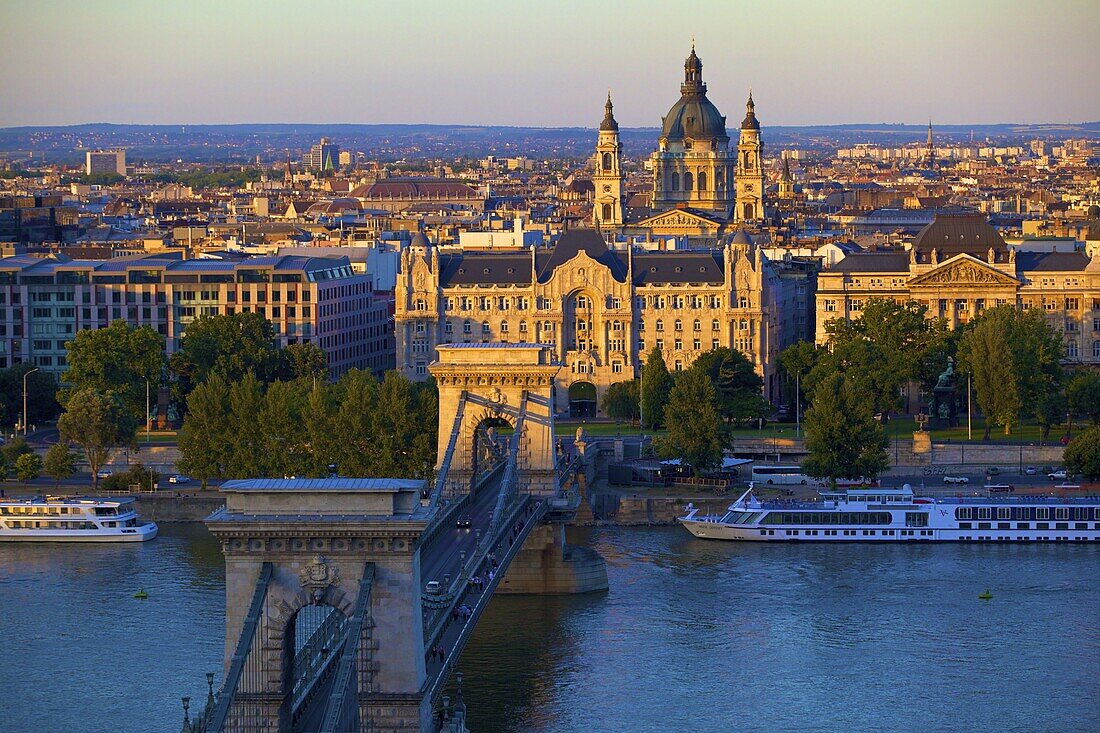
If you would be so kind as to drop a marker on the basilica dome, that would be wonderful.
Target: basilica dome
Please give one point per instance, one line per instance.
(694, 117)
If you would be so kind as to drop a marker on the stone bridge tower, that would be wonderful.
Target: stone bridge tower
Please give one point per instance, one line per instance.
(480, 383)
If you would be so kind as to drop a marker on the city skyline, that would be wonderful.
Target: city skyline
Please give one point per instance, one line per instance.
(807, 63)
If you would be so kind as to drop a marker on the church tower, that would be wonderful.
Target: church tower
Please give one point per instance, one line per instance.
(750, 168)
(930, 149)
(786, 180)
(607, 209)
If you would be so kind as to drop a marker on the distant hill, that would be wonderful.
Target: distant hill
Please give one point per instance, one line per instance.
(242, 143)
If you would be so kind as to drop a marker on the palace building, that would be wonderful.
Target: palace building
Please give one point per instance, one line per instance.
(601, 309)
(958, 266)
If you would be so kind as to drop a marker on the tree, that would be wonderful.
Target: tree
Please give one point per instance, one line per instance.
(1014, 360)
(1082, 455)
(116, 359)
(843, 440)
(1083, 396)
(230, 345)
(736, 383)
(99, 423)
(42, 402)
(797, 360)
(620, 402)
(655, 388)
(694, 424)
(14, 448)
(206, 437)
(357, 394)
(280, 420)
(1050, 411)
(246, 443)
(60, 463)
(27, 467)
(304, 361)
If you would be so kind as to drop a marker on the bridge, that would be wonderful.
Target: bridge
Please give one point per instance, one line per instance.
(349, 601)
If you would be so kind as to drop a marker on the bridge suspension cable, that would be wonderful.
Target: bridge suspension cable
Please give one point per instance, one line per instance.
(338, 713)
(445, 466)
(240, 656)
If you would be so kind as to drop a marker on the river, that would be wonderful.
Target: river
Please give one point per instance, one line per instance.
(693, 635)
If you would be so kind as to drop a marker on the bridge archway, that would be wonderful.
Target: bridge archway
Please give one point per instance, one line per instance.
(479, 382)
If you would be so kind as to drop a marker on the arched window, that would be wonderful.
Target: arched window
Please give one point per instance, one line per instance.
(504, 326)
(750, 211)
(675, 181)
(523, 326)
(606, 212)
(1096, 349)
(607, 161)
(702, 180)
(689, 182)
(485, 327)
(678, 325)
(660, 325)
(697, 326)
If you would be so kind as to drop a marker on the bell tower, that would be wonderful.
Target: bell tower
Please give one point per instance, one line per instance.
(750, 168)
(607, 209)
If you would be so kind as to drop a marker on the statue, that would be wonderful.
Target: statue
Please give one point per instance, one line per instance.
(947, 377)
(942, 408)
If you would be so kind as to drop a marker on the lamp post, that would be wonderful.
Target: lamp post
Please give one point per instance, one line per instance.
(147, 420)
(32, 371)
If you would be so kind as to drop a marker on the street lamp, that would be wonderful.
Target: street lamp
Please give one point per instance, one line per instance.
(32, 371)
(147, 420)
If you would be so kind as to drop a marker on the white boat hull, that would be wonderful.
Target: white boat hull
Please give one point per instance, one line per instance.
(140, 533)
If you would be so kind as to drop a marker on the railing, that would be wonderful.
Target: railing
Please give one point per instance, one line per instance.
(240, 656)
(338, 711)
(328, 636)
(445, 466)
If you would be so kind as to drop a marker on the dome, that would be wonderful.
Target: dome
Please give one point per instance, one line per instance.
(694, 116)
(750, 122)
(609, 122)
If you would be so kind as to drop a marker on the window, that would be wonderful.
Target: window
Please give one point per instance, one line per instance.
(467, 327)
(1071, 348)
(678, 325)
(504, 326)
(523, 326)
(830, 306)
(660, 326)
(697, 326)
(485, 327)
(616, 367)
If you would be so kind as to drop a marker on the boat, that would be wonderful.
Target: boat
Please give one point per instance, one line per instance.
(896, 515)
(68, 519)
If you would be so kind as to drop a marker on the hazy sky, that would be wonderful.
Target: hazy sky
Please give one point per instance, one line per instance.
(545, 62)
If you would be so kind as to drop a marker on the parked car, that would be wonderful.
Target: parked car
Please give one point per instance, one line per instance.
(992, 471)
(103, 473)
(956, 480)
(1060, 474)
(464, 522)
(1030, 471)
(179, 478)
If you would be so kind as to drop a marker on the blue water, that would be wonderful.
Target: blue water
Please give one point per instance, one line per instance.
(693, 636)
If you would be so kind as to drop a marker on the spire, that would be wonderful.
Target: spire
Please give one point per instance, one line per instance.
(693, 74)
(750, 122)
(609, 122)
(786, 174)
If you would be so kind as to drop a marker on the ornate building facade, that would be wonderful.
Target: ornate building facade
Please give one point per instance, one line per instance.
(607, 206)
(602, 310)
(958, 266)
(693, 165)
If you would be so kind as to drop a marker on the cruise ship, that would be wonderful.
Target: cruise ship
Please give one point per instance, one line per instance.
(896, 515)
(67, 519)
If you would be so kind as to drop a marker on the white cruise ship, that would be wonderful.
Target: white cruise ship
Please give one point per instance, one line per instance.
(895, 515)
(67, 519)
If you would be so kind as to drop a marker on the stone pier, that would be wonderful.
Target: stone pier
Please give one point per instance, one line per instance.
(547, 565)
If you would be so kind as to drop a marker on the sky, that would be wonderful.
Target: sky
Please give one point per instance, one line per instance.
(545, 63)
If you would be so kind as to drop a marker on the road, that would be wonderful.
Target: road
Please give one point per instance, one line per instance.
(442, 555)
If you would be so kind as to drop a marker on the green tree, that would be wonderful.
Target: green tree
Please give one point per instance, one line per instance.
(395, 427)
(843, 440)
(1082, 455)
(620, 402)
(280, 421)
(357, 394)
(694, 424)
(99, 423)
(14, 448)
(1083, 396)
(207, 435)
(60, 463)
(304, 361)
(736, 383)
(1014, 360)
(229, 345)
(655, 388)
(1050, 411)
(42, 404)
(117, 359)
(27, 467)
(5, 467)
(318, 420)
(796, 361)
(247, 442)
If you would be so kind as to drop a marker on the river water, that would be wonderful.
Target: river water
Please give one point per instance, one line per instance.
(693, 636)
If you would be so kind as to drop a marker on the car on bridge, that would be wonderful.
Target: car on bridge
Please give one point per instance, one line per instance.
(464, 522)
(956, 480)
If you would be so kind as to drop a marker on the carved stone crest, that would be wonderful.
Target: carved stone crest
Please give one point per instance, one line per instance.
(319, 575)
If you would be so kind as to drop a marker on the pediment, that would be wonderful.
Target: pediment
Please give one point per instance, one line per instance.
(964, 270)
(679, 218)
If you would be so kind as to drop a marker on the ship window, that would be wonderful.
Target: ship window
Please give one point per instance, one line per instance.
(1004, 512)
